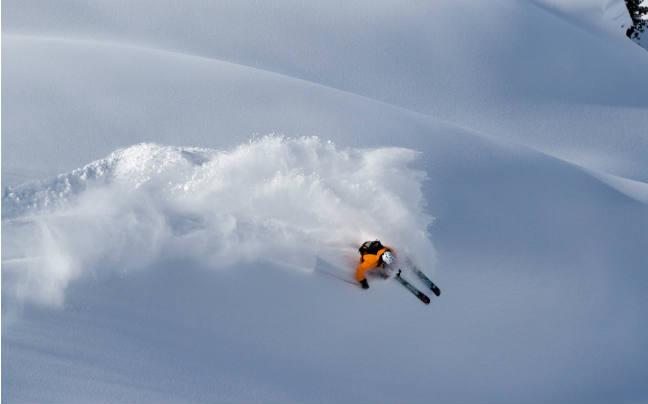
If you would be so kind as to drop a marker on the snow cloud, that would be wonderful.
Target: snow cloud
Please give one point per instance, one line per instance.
(273, 199)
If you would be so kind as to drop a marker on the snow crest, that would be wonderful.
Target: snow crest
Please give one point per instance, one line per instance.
(274, 199)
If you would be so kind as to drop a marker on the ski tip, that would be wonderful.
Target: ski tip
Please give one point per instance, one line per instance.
(436, 291)
(423, 297)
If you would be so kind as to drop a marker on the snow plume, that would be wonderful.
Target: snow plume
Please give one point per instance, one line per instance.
(274, 199)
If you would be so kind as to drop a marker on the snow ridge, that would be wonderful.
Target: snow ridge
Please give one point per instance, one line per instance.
(273, 199)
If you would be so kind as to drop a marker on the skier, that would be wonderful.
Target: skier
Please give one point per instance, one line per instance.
(373, 255)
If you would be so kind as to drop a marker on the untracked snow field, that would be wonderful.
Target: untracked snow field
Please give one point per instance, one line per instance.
(185, 186)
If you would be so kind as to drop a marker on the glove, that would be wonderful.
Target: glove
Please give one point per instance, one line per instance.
(365, 284)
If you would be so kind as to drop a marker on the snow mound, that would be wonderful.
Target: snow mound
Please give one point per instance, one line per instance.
(274, 199)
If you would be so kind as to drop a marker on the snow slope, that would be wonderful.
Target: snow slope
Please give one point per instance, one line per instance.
(178, 258)
(529, 72)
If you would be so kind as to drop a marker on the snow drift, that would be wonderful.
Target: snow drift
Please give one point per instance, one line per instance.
(272, 199)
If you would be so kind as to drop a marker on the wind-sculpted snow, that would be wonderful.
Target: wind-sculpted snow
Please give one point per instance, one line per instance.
(273, 199)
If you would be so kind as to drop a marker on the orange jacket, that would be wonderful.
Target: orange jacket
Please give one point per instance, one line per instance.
(368, 262)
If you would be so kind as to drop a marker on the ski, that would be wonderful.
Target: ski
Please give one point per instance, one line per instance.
(435, 289)
(422, 296)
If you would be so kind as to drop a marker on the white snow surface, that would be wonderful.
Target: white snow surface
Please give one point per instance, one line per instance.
(607, 15)
(159, 246)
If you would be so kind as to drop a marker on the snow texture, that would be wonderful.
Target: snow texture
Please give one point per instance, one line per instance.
(158, 247)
